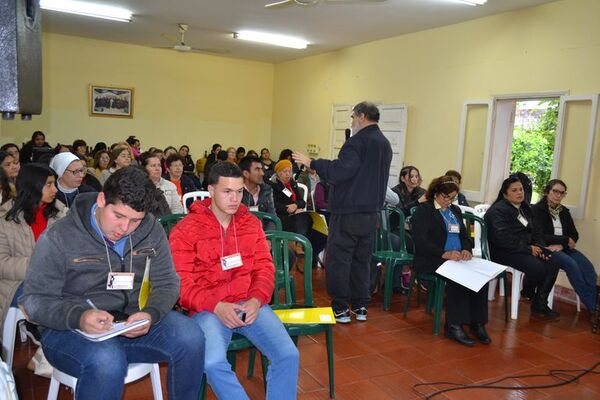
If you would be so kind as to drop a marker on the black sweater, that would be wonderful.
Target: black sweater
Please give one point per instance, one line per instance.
(543, 220)
(358, 177)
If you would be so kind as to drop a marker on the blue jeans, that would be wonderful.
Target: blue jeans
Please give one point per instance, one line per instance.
(269, 336)
(100, 367)
(581, 274)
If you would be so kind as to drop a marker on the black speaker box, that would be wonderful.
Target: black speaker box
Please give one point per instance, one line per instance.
(20, 58)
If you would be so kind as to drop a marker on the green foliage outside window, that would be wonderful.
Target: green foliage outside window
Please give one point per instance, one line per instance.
(533, 148)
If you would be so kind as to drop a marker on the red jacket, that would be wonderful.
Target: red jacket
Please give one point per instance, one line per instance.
(197, 244)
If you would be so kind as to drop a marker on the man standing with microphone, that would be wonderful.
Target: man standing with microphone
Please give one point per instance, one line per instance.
(358, 179)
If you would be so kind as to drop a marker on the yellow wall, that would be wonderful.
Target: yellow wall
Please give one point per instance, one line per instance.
(179, 98)
(198, 99)
(550, 47)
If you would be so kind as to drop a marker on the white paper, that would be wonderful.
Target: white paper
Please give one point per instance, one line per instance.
(472, 274)
(117, 329)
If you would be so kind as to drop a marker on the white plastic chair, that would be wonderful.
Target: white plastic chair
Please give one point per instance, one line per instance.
(480, 209)
(196, 195)
(551, 296)
(11, 323)
(305, 195)
(468, 209)
(134, 373)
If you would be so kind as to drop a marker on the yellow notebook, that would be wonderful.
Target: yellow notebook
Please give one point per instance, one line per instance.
(320, 315)
(319, 223)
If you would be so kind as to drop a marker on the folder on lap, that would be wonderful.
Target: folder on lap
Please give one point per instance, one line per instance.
(319, 315)
(472, 274)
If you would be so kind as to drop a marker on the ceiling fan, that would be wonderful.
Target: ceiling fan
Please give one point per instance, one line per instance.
(182, 47)
(313, 2)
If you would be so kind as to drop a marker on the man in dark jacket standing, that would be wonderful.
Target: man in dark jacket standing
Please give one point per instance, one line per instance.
(358, 180)
(87, 271)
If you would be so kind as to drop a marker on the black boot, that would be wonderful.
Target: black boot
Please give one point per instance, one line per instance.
(457, 333)
(478, 330)
(539, 303)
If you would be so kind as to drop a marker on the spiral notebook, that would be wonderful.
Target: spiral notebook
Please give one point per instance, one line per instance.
(117, 329)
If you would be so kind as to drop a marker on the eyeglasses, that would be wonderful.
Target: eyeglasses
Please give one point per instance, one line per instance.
(559, 192)
(76, 172)
(447, 198)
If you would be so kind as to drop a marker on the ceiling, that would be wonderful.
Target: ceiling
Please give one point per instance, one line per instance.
(328, 25)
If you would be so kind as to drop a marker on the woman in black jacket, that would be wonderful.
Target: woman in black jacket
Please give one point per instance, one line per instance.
(439, 234)
(516, 241)
(560, 234)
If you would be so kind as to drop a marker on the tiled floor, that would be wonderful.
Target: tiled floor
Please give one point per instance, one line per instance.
(384, 357)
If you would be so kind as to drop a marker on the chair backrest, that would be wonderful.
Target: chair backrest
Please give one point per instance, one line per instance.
(467, 209)
(280, 250)
(267, 217)
(304, 195)
(169, 221)
(480, 242)
(383, 240)
(196, 195)
(480, 209)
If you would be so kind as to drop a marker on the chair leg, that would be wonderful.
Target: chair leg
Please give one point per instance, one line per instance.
(578, 303)
(53, 390)
(515, 294)
(264, 361)
(202, 388)
(551, 297)
(155, 378)
(329, 340)
(504, 284)
(8, 337)
(231, 358)
(409, 294)
(440, 288)
(251, 362)
(387, 286)
(492, 289)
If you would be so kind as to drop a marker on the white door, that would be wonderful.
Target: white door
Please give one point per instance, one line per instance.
(393, 122)
(340, 121)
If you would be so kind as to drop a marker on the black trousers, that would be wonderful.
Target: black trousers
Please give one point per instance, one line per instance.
(536, 271)
(464, 306)
(349, 248)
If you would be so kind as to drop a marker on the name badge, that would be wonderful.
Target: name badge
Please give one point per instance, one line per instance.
(523, 220)
(253, 208)
(231, 261)
(287, 192)
(120, 281)
(453, 228)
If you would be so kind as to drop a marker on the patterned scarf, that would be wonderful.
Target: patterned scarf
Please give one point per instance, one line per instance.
(554, 209)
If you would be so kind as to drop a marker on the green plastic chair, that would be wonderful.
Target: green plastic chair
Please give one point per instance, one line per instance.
(267, 217)
(481, 242)
(383, 252)
(435, 296)
(280, 252)
(169, 221)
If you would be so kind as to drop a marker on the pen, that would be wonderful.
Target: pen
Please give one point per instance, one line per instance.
(91, 304)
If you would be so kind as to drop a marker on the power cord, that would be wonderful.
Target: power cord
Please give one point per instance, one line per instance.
(564, 376)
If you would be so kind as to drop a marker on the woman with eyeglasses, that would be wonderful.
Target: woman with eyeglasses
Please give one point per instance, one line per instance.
(561, 236)
(70, 171)
(439, 235)
(516, 241)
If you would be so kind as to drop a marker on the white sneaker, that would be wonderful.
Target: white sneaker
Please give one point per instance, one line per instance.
(360, 313)
(342, 317)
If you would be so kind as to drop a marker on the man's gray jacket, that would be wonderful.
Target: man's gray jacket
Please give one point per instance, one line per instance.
(69, 265)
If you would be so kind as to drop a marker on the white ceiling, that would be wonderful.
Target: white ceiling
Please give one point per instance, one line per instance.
(328, 25)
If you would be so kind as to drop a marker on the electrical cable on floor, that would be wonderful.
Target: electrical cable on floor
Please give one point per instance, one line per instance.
(564, 376)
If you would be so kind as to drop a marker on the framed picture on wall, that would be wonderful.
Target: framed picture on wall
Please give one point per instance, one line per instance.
(107, 101)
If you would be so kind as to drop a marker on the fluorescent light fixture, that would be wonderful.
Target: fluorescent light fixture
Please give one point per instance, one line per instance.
(473, 2)
(87, 9)
(269, 38)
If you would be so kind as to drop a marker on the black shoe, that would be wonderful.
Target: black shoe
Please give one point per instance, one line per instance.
(544, 311)
(360, 313)
(343, 316)
(457, 333)
(526, 294)
(478, 330)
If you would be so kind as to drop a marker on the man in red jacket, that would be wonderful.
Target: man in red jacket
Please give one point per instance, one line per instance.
(227, 279)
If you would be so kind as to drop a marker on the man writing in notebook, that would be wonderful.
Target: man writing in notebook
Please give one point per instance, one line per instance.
(227, 279)
(87, 272)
